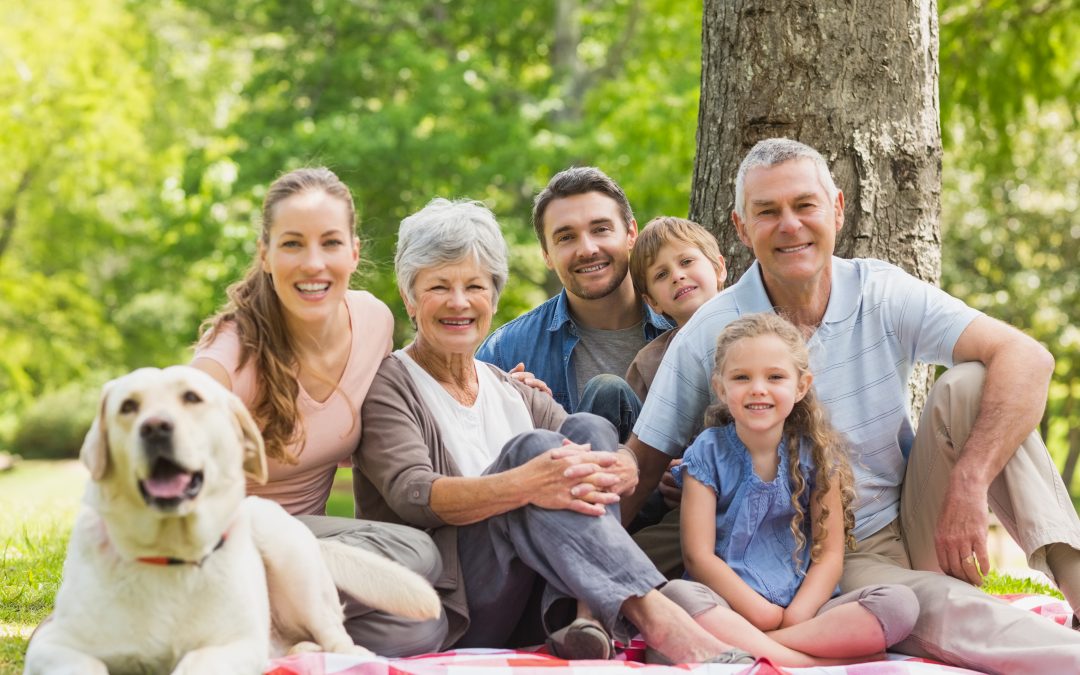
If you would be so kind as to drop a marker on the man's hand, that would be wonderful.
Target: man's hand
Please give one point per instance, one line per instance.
(960, 538)
(669, 490)
(528, 379)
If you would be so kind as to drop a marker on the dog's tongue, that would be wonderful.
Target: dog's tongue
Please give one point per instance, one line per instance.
(171, 487)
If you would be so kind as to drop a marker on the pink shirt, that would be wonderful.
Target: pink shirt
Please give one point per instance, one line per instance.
(333, 425)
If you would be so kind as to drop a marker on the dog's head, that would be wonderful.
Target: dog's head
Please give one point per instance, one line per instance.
(170, 439)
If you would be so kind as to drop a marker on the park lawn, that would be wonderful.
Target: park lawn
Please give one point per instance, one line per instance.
(38, 501)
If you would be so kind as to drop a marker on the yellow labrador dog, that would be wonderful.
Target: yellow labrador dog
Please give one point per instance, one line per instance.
(171, 568)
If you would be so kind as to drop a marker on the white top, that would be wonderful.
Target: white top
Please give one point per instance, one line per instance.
(474, 435)
(880, 321)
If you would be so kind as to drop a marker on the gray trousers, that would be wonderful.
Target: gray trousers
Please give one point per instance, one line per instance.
(588, 558)
(894, 606)
(386, 634)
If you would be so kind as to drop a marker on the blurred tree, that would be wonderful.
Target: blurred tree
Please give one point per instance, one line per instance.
(1011, 237)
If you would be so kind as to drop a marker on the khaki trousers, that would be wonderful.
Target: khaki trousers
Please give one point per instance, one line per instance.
(957, 622)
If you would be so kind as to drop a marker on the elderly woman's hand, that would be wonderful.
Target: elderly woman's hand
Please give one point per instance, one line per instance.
(571, 477)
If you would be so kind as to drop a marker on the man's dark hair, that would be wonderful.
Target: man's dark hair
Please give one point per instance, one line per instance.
(578, 180)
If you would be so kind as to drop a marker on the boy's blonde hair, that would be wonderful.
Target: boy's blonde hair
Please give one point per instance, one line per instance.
(807, 423)
(663, 230)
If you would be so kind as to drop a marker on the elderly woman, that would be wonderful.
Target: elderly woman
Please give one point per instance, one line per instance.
(512, 489)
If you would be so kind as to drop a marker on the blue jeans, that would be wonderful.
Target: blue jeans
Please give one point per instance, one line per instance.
(610, 397)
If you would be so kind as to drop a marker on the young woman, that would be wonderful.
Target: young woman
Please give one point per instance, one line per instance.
(301, 349)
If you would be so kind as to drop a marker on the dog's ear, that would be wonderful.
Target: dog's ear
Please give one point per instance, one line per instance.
(94, 453)
(254, 449)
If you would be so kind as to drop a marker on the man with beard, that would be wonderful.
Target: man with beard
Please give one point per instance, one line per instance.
(582, 341)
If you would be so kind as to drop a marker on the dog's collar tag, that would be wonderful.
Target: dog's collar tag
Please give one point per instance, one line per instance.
(166, 561)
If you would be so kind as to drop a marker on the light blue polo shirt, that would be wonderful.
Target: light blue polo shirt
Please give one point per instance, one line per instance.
(879, 322)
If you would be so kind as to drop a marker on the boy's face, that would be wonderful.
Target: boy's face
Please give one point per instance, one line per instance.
(681, 279)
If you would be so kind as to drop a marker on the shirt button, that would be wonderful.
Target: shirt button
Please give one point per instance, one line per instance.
(416, 494)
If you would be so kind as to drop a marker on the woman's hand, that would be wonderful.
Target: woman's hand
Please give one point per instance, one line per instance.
(571, 477)
(528, 379)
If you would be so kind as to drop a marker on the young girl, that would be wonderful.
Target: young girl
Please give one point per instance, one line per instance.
(766, 507)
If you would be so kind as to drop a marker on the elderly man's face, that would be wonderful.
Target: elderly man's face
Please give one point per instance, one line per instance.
(588, 244)
(791, 223)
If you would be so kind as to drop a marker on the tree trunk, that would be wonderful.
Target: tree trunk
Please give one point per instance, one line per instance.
(858, 82)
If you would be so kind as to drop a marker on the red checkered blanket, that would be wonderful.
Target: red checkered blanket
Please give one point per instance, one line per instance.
(508, 662)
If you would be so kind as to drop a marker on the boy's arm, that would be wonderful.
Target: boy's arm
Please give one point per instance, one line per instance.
(822, 576)
(698, 524)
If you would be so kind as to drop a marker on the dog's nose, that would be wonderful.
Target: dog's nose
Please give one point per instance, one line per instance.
(156, 429)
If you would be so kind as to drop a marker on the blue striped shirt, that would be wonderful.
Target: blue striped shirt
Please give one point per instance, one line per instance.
(879, 322)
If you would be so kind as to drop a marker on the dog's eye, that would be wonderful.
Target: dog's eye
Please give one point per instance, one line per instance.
(129, 405)
(192, 397)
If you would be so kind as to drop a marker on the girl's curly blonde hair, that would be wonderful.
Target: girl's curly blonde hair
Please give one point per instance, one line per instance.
(808, 422)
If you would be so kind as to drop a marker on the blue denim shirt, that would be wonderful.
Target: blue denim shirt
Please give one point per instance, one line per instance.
(753, 518)
(543, 339)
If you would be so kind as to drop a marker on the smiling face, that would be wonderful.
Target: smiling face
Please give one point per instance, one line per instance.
(453, 309)
(760, 385)
(311, 254)
(587, 244)
(791, 223)
(681, 279)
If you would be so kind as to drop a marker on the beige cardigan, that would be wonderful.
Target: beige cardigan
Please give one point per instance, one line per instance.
(401, 453)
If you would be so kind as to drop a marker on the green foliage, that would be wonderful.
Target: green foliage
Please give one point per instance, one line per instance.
(53, 427)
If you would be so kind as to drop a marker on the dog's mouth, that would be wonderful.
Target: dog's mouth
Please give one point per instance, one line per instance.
(169, 484)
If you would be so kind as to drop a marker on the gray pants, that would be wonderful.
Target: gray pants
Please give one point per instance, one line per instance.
(588, 558)
(386, 634)
(895, 607)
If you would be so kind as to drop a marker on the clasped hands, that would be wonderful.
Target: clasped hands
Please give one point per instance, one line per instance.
(577, 478)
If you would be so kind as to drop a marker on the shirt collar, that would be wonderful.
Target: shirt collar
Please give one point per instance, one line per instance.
(751, 297)
(561, 315)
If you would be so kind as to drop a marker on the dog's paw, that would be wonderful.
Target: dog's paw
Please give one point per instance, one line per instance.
(355, 650)
(305, 647)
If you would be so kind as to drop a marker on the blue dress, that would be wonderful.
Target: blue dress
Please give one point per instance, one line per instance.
(753, 518)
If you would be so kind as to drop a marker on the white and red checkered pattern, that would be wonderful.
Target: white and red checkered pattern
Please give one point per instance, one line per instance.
(508, 662)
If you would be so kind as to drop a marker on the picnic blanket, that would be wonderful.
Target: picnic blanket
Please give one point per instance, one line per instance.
(628, 661)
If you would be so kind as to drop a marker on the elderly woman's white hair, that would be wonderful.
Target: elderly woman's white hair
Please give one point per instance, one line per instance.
(446, 232)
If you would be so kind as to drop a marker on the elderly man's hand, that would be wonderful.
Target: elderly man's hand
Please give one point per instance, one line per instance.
(572, 477)
(960, 539)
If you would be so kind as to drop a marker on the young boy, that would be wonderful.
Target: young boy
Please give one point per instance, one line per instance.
(676, 266)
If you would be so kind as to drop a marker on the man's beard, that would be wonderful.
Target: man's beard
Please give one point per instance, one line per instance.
(618, 271)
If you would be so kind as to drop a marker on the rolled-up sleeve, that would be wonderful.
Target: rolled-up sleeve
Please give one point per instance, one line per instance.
(394, 455)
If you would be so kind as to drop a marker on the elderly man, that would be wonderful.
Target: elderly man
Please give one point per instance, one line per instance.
(922, 497)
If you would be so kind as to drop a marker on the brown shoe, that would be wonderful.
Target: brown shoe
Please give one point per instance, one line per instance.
(581, 640)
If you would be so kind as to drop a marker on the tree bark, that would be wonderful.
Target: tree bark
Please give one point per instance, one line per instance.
(856, 81)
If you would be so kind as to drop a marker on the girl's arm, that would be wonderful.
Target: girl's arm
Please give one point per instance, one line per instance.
(698, 523)
(823, 575)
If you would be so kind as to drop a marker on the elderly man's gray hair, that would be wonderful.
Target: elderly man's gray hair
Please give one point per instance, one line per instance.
(446, 232)
(773, 151)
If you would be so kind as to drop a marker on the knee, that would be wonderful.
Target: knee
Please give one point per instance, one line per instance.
(586, 427)
(964, 381)
(528, 445)
(896, 608)
(419, 553)
(692, 597)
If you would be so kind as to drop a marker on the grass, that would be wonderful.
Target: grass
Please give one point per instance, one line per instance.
(38, 501)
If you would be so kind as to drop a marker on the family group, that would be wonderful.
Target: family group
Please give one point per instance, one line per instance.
(730, 472)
